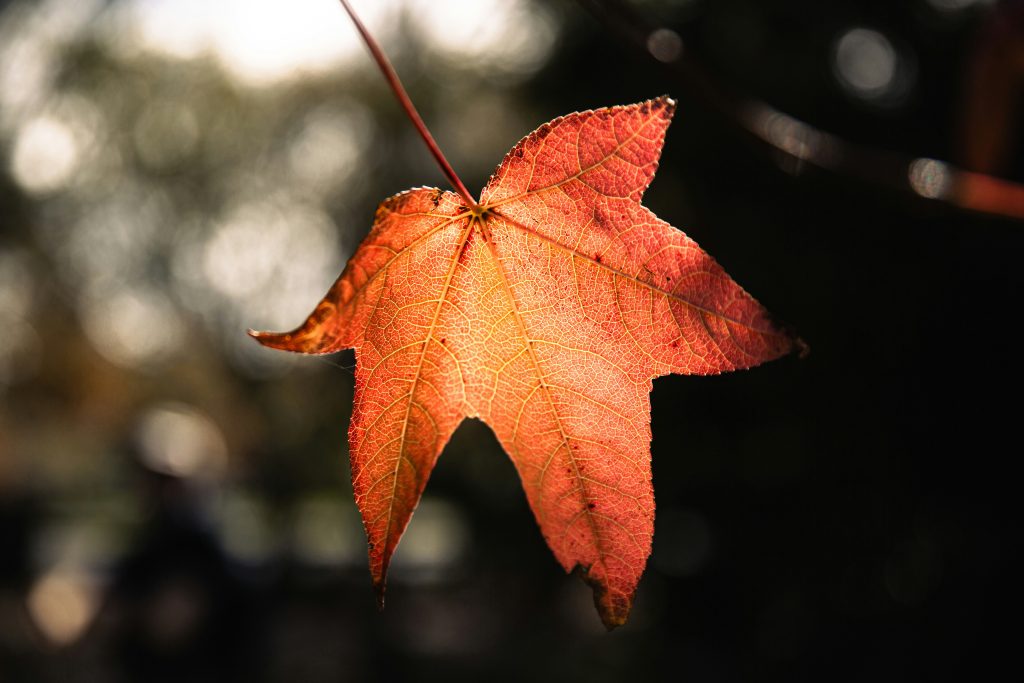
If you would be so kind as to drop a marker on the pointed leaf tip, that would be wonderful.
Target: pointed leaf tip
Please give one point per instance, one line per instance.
(273, 340)
(612, 607)
(667, 102)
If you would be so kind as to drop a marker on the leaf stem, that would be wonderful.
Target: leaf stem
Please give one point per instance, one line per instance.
(407, 105)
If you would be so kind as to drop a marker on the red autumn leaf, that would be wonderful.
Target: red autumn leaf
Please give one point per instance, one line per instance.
(546, 311)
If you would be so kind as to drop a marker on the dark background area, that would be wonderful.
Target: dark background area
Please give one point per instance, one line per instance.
(174, 500)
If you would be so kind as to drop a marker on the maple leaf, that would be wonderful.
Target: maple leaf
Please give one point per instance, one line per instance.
(545, 309)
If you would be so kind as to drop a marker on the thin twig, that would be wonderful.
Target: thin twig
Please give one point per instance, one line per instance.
(407, 105)
(800, 142)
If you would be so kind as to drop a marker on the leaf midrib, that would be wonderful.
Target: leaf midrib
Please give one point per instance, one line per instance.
(601, 264)
(584, 498)
(467, 231)
(490, 206)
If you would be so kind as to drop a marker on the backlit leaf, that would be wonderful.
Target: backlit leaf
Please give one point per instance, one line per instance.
(546, 311)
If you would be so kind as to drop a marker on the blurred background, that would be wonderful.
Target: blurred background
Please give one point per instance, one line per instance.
(174, 499)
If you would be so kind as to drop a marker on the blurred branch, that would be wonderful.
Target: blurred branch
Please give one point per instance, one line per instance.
(801, 143)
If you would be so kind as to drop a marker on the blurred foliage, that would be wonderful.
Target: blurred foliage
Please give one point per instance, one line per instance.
(174, 500)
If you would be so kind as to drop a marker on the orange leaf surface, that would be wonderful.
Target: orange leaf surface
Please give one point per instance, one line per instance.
(546, 312)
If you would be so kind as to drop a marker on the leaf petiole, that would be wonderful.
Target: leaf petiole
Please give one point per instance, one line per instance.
(403, 98)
